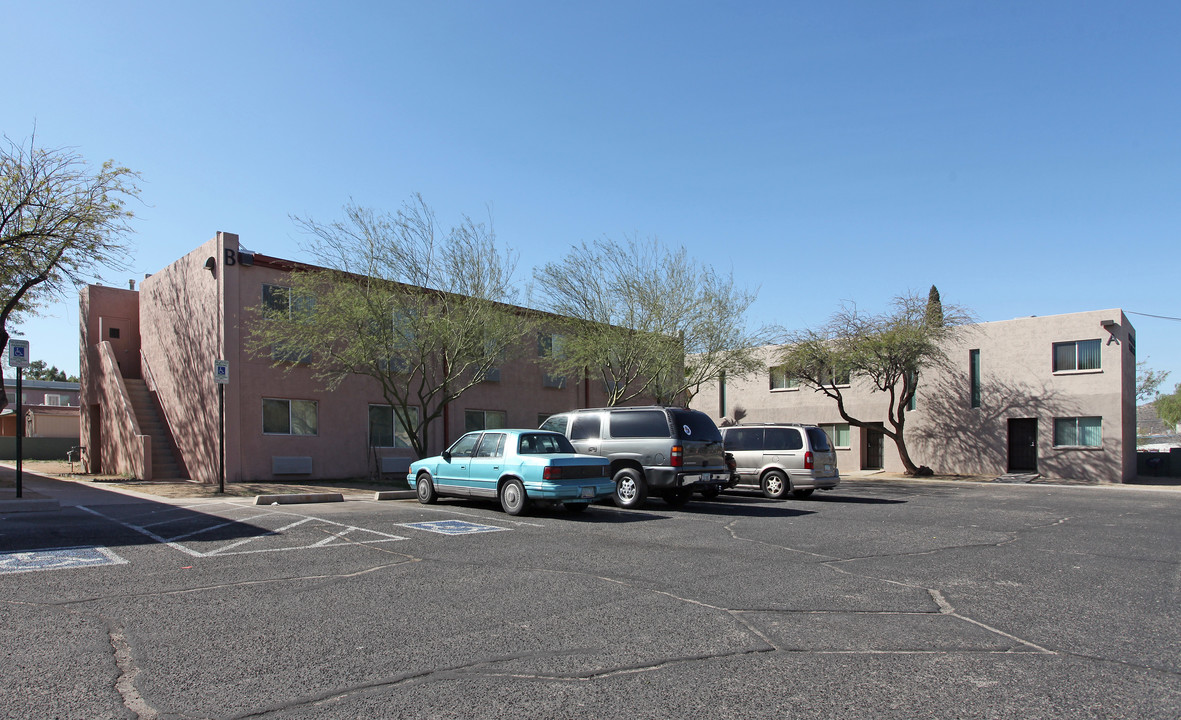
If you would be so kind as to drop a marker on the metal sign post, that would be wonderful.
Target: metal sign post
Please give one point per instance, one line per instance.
(221, 375)
(18, 357)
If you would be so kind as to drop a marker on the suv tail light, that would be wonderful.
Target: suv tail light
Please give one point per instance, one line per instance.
(555, 473)
(808, 460)
(678, 456)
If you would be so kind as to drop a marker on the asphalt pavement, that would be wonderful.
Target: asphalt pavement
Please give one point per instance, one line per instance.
(883, 599)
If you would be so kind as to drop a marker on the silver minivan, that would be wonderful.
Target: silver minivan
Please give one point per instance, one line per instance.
(779, 458)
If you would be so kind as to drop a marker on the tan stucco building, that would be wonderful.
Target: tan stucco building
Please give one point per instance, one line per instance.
(150, 400)
(1050, 395)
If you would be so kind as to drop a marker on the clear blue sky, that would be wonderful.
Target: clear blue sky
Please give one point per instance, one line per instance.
(1024, 157)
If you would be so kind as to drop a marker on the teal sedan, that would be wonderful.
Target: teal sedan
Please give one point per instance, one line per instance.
(516, 467)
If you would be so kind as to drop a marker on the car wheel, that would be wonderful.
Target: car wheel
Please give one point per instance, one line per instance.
(801, 494)
(425, 488)
(512, 497)
(711, 492)
(576, 507)
(677, 498)
(630, 489)
(775, 485)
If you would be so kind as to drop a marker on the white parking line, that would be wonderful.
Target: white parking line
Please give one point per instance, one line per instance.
(379, 537)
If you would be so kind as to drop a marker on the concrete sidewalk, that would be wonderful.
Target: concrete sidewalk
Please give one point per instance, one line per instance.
(41, 493)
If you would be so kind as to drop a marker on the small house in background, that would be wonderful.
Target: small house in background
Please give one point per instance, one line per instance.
(51, 419)
(42, 392)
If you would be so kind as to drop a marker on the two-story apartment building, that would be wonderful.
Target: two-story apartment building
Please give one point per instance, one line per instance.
(1050, 395)
(150, 399)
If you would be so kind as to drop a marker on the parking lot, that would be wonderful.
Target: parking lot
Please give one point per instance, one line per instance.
(885, 599)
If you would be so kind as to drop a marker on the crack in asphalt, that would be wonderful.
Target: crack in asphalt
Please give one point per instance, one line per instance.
(128, 671)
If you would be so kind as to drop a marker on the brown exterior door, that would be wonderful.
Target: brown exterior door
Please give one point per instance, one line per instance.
(1022, 444)
(875, 450)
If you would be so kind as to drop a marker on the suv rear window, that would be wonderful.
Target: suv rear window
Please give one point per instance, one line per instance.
(693, 425)
(639, 424)
(819, 439)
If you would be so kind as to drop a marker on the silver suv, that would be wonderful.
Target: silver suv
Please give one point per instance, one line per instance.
(779, 458)
(670, 451)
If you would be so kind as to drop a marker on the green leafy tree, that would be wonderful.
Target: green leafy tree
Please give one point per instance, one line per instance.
(1148, 381)
(1168, 407)
(891, 351)
(38, 370)
(426, 314)
(60, 220)
(647, 320)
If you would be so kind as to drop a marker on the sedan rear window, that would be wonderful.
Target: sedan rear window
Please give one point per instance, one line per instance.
(543, 443)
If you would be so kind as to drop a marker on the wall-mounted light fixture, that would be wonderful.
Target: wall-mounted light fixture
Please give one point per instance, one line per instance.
(1107, 323)
(211, 266)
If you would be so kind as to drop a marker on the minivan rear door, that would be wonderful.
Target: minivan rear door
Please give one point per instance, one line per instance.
(824, 458)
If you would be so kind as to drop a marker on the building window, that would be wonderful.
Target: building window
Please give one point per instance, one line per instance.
(550, 346)
(974, 376)
(1077, 355)
(114, 333)
(781, 381)
(55, 400)
(838, 435)
(474, 420)
(277, 298)
(1078, 432)
(289, 417)
(834, 378)
(386, 430)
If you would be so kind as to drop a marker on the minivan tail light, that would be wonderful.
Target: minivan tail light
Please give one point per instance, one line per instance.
(678, 456)
(808, 460)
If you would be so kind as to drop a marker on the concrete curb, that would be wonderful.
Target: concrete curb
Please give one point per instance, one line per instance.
(393, 495)
(30, 505)
(298, 498)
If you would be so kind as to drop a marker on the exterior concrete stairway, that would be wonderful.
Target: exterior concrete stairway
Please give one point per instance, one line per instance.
(164, 463)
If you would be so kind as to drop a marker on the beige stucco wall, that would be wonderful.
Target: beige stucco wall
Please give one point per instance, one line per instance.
(1017, 381)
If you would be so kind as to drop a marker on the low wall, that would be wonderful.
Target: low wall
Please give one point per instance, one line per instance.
(38, 448)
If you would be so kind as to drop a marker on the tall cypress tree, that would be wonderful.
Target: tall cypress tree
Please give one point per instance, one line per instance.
(934, 315)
